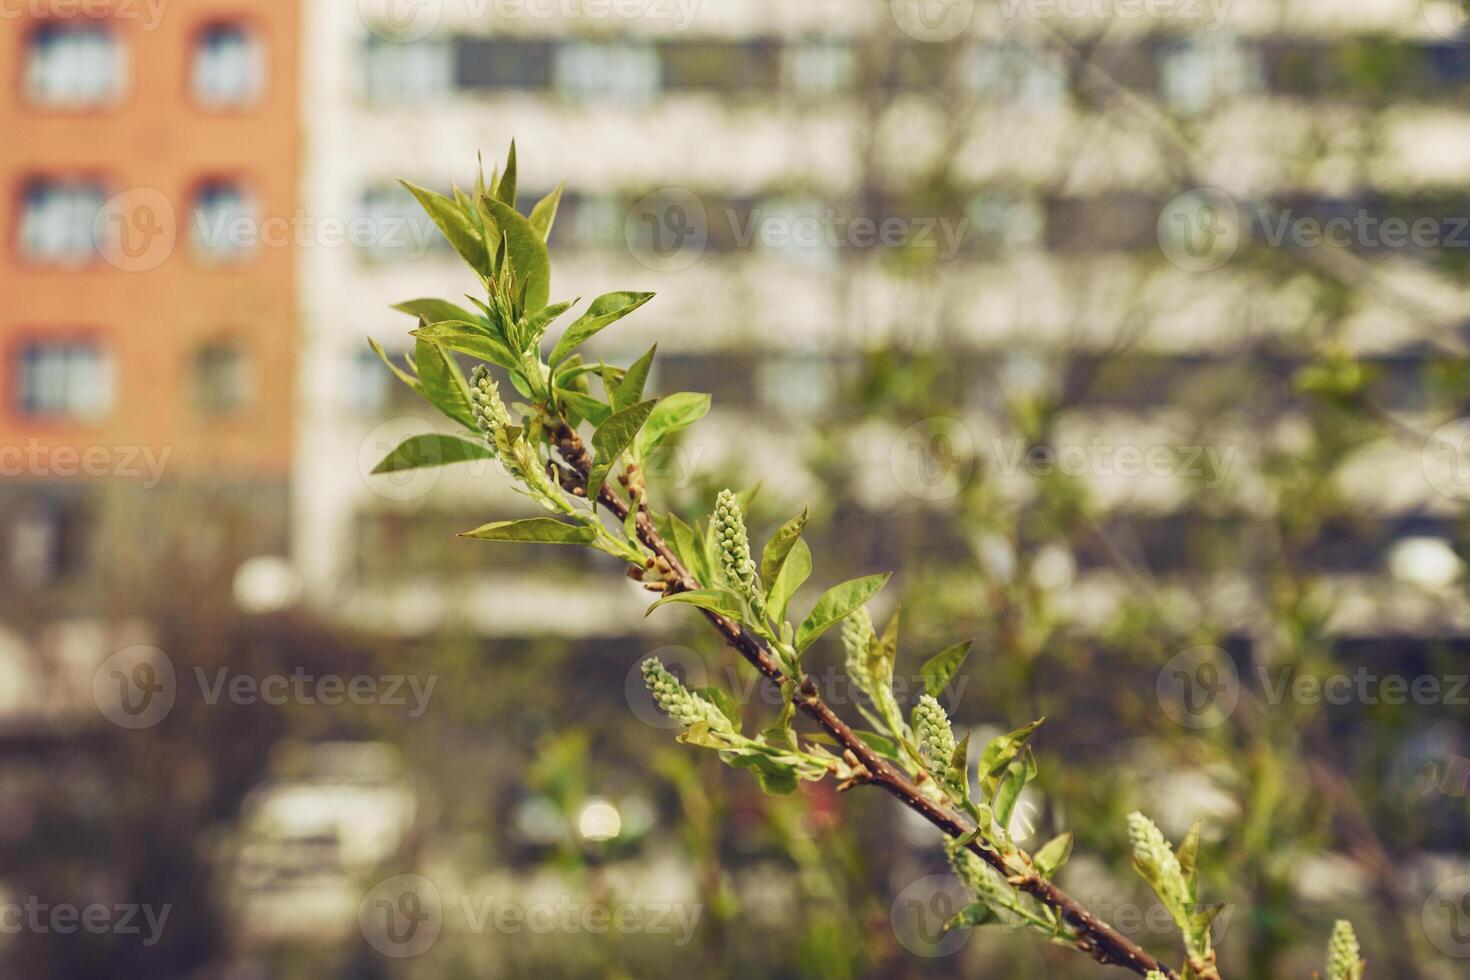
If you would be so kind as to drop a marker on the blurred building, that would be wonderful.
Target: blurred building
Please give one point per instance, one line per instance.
(147, 364)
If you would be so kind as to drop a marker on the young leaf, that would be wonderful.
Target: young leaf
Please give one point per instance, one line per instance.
(1053, 855)
(674, 412)
(881, 744)
(506, 191)
(773, 556)
(940, 669)
(689, 548)
(795, 570)
(1015, 778)
(398, 372)
(974, 914)
(469, 339)
(536, 323)
(776, 778)
(722, 699)
(526, 250)
(586, 406)
(543, 215)
(835, 604)
(1002, 750)
(542, 530)
(605, 310)
(438, 310)
(611, 439)
(455, 225)
(630, 389)
(727, 604)
(444, 385)
(431, 449)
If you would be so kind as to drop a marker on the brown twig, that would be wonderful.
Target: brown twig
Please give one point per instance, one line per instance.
(1100, 940)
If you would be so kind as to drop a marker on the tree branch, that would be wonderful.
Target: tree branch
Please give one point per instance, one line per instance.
(1100, 940)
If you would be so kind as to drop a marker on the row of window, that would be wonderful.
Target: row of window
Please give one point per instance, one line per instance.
(76, 380)
(75, 66)
(1189, 74)
(62, 221)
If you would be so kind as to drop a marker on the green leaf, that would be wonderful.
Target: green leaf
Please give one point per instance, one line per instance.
(630, 389)
(543, 215)
(795, 570)
(959, 766)
(723, 700)
(835, 604)
(526, 250)
(1002, 750)
(1015, 778)
(604, 311)
(506, 191)
(398, 372)
(1053, 855)
(589, 408)
(779, 732)
(536, 323)
(455, 225)
(1188, 850)
(776, 777)
(674, 412)
(974, 914)
(444, 384)
(727, 604)
(438, 311)
(940, 669)
(773, 556)
(542, 530)
(611, 439)
(467, 338)
(689, 548)
(881, 744)
(432, 449)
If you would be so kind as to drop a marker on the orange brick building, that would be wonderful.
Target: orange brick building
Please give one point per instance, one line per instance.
(148, 175)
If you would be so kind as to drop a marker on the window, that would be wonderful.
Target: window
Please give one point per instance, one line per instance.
(800, 229)
(621, 72)
(368, 384)
(595, 221)
(398, 227)
(64, 380)
(57, 219)
(1018, 73)
(407, 70)
(48, 540)
(819, 67)
(721, 65)
(1003, 223)
(221, 379)
(229, 67)
(484, 63)
(1195, 75)
(226, 222)
(74, 66)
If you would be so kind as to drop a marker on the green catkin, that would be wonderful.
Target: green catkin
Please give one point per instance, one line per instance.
(680, 703)
(1344, 955)
(734, 549)
(485, 404)
(857, 633)
(934, 734)
(1152, 851)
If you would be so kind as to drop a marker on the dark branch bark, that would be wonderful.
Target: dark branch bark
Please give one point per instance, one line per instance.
(1104, 943)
